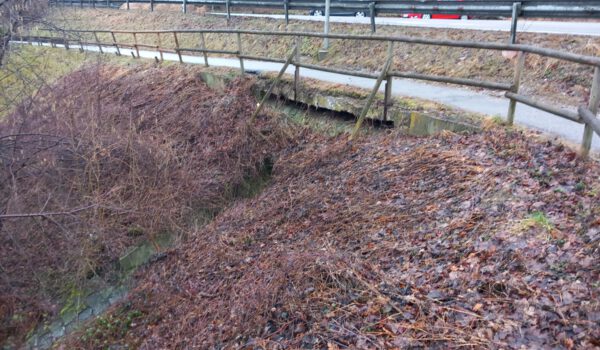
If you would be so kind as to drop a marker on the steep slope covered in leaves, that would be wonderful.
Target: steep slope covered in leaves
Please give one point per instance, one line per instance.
(481, 241)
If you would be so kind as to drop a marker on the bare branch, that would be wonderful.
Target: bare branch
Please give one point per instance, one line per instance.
(46, 214)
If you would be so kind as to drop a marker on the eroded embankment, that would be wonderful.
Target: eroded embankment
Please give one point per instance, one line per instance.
(479, 241)
(109, 157)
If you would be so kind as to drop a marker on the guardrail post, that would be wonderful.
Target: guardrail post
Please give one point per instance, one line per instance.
(384, 72)
(81, 3)
(372, 14)
(93, 3)
(115, 43)
(286, 6)
(512, 105)
(325, 49)
(203, 47)
(151, 5)
(228, 8)
(98, 42)
(239, 44)
(107, 3)
(177, 47)
(516, 11)
(184, 6)
(588, 132)
(297, 68)
(128, 5)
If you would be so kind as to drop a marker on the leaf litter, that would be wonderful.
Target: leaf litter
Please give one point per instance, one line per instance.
(487, 240)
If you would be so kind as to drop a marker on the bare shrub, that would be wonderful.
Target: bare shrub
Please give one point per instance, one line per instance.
(108, 157)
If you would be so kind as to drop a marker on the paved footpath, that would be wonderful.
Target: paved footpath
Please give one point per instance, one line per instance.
(458, 97)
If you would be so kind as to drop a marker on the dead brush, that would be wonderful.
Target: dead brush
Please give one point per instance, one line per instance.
(107, 158)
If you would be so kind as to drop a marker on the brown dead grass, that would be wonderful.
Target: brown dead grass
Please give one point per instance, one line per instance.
(548, 79)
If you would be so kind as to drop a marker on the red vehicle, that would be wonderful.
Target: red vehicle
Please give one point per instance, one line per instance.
(434, 16)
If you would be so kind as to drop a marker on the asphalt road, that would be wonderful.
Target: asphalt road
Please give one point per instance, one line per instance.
(458, 97)
(523, 26)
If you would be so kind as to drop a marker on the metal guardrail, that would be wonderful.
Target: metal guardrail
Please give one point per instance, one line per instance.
(512, 8)
(585, 115)
(528, 8)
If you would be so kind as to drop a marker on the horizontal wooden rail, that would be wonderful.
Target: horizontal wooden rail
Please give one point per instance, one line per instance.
(583, 115)
(337, 71)
(262, 58)
(590, 119)
(573, 116)
(225, 52)
(567, 56)
(451, 80)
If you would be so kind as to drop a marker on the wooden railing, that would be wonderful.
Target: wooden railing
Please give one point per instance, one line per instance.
(585, 114)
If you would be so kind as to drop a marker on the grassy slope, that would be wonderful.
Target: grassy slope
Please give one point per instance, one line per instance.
(26, 69)
(551, 79)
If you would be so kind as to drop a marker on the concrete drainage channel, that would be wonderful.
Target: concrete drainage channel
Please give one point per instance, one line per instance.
(84, 305)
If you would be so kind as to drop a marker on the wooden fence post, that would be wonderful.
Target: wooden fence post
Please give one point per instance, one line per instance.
(98, 42)
(177, 47)
(512, 105)
(297, 68)
(203, 47)
(159, 46)
(387, 98)
(239, 44)
(135, 44)
(383, 74)
(277, 79)
(115, 43)
(588, 132)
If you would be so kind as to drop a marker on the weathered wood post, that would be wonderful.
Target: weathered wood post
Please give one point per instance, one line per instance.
(115, 43)
(203, 47)
(512, 105)
(239, 44)
(159, 45)
(588, 132)
(387, 98)
(135, 45)
(177, 47)
(297, 68)
(261, 104)
(98, 42)
(382, 75)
